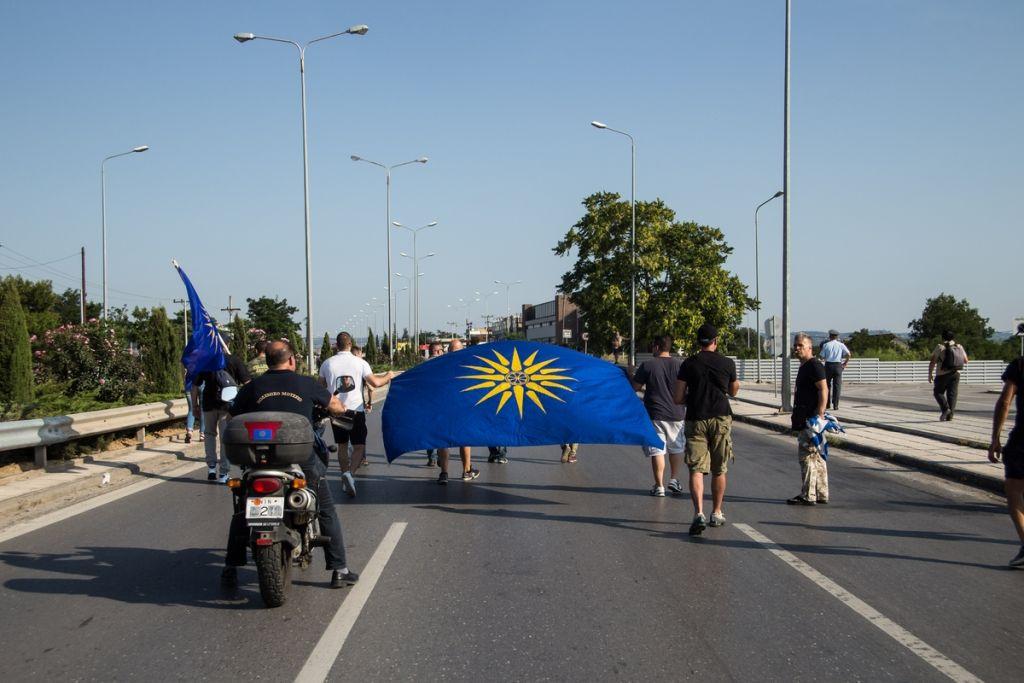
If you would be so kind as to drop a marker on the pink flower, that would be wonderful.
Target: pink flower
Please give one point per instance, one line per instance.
(102, 381)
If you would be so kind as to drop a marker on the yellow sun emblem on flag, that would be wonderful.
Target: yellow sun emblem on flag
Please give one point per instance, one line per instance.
(514, 378)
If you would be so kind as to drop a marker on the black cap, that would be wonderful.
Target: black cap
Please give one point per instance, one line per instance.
(833, 333)
(707, 334)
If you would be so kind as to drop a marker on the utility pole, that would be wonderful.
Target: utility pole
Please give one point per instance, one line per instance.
(83, 286)
(229, 310)
(184, 316)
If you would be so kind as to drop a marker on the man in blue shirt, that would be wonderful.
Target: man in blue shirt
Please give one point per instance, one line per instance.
(835, 355)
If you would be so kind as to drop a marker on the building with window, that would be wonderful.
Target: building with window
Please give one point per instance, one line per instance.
(558, 321)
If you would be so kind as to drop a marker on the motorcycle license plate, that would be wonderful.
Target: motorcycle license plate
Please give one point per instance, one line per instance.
(265, 509)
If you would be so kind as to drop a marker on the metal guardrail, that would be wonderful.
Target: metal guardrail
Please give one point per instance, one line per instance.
(873, 371)
(48, 431)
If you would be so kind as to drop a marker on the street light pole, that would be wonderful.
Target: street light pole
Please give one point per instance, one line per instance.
(632, 238)
(103, 215)
(416, 272)
(507, 286)
(387, 230)
(757, 285)
(360, 30)
(787, 394)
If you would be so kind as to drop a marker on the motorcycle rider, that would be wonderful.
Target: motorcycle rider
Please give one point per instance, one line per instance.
(282, 389)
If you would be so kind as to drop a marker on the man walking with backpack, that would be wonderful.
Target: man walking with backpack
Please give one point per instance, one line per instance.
(950, 358)
(215, 410)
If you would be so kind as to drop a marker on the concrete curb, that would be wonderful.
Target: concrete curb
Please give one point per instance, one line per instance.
(988, 483)
(100, 474)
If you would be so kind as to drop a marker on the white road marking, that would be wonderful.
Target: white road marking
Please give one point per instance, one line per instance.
(327, 649)
(31, 525)
(901, 635)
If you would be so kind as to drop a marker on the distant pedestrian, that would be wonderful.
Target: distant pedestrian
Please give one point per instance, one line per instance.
(835, 354)
(657, 378)
(192, 396)
(434, 350)
(1012, 454)
(258, 365)
(617, 346)
(215, 410)
(705, 382)
(809, 401)
(950, 358)
(569, 451)
(465, 452)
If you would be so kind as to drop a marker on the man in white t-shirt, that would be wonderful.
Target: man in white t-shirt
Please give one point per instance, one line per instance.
(346, 372)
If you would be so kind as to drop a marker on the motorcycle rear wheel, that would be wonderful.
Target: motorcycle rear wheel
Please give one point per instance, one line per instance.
(273, 567)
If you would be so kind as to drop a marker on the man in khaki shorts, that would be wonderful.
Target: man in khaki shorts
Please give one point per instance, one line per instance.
(705, 382)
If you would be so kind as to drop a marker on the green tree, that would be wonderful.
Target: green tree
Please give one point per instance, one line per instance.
(15, 349)
(274, 316)
(68, 307)
(38, 303)
(159, 351)
(681, 282)
(239, 345)
(944, 312)
(370, 348)
(325, 348)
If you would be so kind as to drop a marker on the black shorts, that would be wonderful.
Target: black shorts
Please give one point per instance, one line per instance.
(356, 436)
(1013, 455)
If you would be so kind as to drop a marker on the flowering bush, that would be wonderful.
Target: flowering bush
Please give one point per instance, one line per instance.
(90, 357)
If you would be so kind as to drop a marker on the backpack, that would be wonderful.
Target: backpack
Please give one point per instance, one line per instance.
(953, 357)
(227, 387)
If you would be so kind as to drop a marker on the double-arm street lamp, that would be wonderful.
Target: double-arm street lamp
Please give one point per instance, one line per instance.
(103, 216)
(507, 286)
(416, 270)
(632, 238)
(387, 230)
(757, 286)
(358, 30)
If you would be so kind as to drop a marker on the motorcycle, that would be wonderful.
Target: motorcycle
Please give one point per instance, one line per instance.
(280, 511)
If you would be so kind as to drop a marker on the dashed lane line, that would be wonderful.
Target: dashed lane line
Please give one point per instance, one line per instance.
(901, 635)
(320, 661)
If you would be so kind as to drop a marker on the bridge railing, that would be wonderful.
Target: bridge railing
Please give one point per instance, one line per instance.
(40, 433)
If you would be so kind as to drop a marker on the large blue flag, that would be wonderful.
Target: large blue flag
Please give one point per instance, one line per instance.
(513, 393)
(205, 349)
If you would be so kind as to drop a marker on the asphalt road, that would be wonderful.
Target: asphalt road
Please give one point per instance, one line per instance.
(540, 571)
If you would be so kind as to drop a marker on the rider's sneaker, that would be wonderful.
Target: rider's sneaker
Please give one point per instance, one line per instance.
(341, 579)
(348, 484)
(229, 577)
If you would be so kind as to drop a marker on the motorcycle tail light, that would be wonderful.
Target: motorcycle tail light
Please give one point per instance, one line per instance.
(265, 485)
(298, 483)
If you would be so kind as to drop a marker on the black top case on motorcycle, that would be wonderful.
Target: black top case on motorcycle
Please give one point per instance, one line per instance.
(268, 439)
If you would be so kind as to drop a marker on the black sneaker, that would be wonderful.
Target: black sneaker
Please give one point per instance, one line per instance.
(188, 437)
(499, 459)
(470, 474)
(340, 579)
(229, 577)
(442, 478)
(949, 416)
(431, 461)
(799, 500)
(700, 523)
(211, 474)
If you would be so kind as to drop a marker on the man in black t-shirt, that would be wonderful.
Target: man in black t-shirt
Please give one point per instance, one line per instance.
(1012, 453)
(657, 377)
(705, 383)
(215, 411)
(810, 401)
(280, 388)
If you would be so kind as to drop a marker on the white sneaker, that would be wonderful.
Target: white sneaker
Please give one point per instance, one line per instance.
(717, 519)
(658, 491)
(222, 479)
(674, 486)
(348, 484)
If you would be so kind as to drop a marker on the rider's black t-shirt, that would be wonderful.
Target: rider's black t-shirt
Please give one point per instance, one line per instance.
(281, 390)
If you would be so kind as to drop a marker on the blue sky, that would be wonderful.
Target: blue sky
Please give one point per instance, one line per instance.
(906, 150)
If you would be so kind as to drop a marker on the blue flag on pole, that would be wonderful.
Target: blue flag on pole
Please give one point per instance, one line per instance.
(205, 350)
(513, 393)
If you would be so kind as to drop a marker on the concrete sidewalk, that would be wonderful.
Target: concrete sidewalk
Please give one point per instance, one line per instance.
(39, 491)
(955, 450)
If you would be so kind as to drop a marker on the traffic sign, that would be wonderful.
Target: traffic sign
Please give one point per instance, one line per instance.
(773, 332)
(566, 334)
(585, 336)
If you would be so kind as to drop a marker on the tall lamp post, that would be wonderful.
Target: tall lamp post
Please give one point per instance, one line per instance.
(408, 286)
(757, 285)
(416, 270)
(632, 238)
(787, 386)
(487, 322)
(387, 229)
(358, 30)
(416, 280)
(507, 286)
(103, 215)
